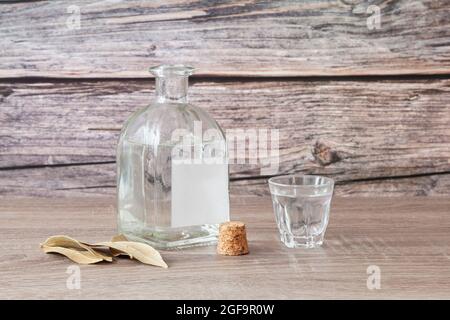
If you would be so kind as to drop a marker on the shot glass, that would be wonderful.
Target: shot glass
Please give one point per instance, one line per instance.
(301, 204)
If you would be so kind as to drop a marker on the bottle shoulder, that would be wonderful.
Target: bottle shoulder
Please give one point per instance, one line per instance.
(158, 122)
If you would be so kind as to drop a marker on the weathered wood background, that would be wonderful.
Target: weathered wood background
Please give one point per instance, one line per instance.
(367, 106)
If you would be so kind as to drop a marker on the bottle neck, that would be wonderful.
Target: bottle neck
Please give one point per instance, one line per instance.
(172, 89)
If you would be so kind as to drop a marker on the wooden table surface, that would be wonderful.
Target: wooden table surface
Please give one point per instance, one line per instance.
(407, 239)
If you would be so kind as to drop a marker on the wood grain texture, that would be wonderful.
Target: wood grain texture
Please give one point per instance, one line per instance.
(407, 239)
(64, 135)
(99, 180)
(400, 186)
(224, 38)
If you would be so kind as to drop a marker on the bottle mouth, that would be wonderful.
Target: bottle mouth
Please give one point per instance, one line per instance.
(164, 70)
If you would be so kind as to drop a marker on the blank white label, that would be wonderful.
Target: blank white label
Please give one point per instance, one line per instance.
(199, 194)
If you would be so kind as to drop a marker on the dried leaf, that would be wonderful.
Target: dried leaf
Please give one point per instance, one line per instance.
(119, 237)
(136, 250)
(114, 252)
(70, 243)
(86, 253)
(78, 256)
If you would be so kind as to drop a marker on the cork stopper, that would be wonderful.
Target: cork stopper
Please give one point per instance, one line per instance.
(232, 239)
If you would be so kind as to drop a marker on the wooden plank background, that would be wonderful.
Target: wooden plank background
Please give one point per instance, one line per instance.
(367, 107)
(245, 38)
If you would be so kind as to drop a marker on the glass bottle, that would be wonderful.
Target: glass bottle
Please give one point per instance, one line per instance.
(172, 169)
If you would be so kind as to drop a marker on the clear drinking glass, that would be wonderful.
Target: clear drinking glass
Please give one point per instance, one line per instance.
(172, 169)
(301, 204)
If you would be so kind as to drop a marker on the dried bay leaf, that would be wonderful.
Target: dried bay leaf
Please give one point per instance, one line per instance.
(119, 237)
(85, 253)
(78, 256)
(136, 250)
(114, 252)
(70, 243)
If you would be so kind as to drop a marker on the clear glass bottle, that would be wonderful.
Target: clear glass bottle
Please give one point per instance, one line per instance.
(172, 169)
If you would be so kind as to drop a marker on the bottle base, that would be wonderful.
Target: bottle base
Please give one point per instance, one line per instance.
(178, 238)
